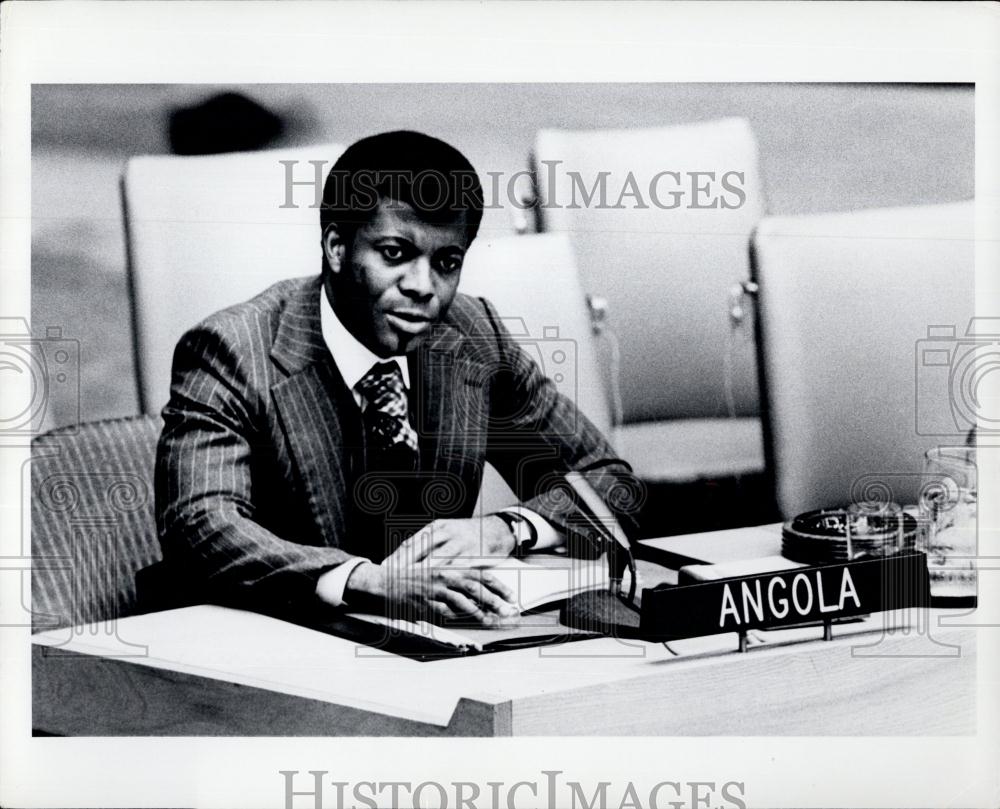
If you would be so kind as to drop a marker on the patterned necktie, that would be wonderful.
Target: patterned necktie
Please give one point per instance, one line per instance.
(386, 414)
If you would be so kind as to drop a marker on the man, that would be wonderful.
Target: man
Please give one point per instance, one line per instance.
(324, 442)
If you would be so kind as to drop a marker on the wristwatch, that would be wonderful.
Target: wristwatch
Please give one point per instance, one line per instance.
(524, 531)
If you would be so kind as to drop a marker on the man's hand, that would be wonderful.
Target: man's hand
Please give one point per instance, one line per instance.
(455, 542)
(418, 592)
(431, 574)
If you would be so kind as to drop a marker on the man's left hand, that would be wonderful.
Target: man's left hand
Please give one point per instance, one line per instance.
(454, 542)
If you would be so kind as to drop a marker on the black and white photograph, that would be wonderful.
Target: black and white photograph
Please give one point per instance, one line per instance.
(354, 421)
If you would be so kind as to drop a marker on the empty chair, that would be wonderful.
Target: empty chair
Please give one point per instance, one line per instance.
(849, 306)
(207, 232)
(660, 219)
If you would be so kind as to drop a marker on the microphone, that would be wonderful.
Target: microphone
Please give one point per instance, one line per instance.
(602, 521)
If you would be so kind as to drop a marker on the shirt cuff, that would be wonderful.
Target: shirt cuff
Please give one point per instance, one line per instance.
(331, 585)
(548, 536)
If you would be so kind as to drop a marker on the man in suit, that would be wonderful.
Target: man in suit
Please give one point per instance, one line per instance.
(324, 442)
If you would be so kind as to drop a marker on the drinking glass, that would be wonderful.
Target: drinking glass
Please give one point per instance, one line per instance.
(948, 498)
(874, 529)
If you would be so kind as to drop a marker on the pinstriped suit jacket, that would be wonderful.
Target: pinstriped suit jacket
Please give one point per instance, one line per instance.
(260, 485)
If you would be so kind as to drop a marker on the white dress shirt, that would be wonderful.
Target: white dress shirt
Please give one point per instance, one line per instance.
(354, 360)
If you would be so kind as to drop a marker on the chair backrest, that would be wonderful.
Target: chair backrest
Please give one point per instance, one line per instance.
(204, 233)
(849, 304)
(665, 266)
(92, 519)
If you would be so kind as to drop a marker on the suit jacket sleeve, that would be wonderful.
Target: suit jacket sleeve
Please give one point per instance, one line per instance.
(204, 483)
(537, 435)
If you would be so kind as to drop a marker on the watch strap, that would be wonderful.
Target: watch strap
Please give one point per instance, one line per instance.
(515, 522)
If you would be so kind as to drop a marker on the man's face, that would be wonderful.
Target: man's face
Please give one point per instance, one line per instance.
(397, 278)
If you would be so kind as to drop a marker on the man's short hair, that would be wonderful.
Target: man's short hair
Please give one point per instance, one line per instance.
(435, 179)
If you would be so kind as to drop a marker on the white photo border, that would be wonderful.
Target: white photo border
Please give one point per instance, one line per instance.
(207, 42)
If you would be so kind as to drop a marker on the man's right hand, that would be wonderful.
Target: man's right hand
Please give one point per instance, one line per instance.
(426, 592)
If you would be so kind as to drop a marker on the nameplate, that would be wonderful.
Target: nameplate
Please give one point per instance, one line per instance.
(785, 598)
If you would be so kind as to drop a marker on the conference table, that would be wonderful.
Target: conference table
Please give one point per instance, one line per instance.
(211, 670)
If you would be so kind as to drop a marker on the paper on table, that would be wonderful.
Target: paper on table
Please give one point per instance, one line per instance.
(420, 628)
(532, 585)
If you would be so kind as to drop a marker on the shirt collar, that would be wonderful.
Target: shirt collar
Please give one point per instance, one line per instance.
(353, 359)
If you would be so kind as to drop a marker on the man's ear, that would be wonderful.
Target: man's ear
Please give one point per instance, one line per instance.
(333, 247)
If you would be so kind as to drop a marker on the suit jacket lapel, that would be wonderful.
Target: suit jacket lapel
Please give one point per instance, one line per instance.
(318, 414)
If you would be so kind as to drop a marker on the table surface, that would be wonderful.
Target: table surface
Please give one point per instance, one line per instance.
(186, 658)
